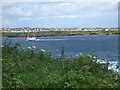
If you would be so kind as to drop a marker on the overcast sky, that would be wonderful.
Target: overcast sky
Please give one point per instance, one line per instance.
(77, 14)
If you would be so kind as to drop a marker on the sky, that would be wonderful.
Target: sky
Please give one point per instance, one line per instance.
(60, 14)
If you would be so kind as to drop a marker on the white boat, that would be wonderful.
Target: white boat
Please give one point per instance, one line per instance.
(33, 38)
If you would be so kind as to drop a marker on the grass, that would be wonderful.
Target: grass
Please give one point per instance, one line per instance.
(23, 68)
(59, 33)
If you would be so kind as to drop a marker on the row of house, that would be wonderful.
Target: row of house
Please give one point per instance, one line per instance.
(28, 29)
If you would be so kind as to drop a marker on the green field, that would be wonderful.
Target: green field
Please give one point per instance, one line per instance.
(23, 68)
(58, 33)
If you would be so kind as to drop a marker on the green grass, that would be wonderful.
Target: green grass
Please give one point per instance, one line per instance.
(23, 68)
(58, 33)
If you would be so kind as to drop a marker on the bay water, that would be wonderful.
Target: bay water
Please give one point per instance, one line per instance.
(105, 47)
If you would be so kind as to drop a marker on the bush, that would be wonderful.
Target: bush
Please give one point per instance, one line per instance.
(23, 68)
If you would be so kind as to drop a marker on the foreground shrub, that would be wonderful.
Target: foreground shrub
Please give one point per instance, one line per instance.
(23, 68)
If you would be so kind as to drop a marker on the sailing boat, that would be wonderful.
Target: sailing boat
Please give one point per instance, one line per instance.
(33, 38)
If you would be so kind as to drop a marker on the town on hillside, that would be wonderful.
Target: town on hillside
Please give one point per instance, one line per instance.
(28, 29)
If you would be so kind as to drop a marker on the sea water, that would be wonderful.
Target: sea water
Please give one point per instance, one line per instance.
(105, 47)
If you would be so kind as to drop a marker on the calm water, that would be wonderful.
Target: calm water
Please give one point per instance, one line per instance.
(105, 47)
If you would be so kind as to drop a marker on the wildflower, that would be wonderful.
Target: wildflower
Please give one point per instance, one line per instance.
(90, 56)
(33, 47)
(80, 54)
(94, 57)
(42, 50)
(76, 55)
(2, 45)
(29, 47)
(2, 59)
(68, 57)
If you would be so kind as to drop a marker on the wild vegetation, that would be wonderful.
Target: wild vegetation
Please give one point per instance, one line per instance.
(59, 33)
(23, 68)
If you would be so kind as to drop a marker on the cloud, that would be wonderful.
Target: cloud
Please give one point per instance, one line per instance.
(109, 7)
(72, 8)
(60, 9)
(67, 16)
(40, 17)
(47, 12)
(60, 0)
(17, 11)
(6, 4)
(25, 18)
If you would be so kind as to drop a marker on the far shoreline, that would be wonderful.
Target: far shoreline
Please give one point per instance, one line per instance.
(58, 35)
